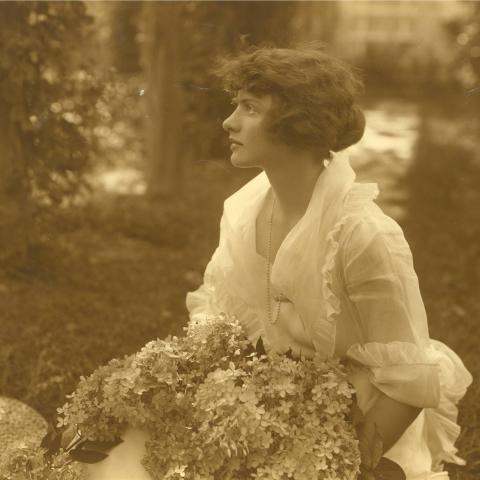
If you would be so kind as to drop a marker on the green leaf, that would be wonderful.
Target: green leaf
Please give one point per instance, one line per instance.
(388, 470)
(356, 416)
(239, 382)
(101, 446)
(377, 446)
(289, 354)
(366, 474)
(260, 349)
(370, 444)
(88, 456)
(47, 439)
(52, 440)
(68, 436)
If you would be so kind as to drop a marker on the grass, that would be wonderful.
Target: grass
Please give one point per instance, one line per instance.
(109, 277)
(103, 281)
(443, 230)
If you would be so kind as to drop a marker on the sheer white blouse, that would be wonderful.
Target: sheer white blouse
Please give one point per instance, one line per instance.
(346, 274)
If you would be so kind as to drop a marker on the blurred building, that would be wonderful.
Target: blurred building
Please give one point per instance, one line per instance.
(410, 37)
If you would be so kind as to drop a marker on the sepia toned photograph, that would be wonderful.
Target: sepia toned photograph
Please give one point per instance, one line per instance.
(239, 240)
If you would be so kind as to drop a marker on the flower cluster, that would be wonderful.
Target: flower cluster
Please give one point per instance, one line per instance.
(215, 408)
(27, 462)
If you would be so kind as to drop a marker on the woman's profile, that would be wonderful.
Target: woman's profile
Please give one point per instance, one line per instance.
(308, 262)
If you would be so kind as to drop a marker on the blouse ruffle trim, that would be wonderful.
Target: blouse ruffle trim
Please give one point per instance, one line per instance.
(401, 370)
(404, 372)
(324, 331)
(441, 426)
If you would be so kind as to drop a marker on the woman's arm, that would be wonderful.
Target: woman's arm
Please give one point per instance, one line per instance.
(383, 288)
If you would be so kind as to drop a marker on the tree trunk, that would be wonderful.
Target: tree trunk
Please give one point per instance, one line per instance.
(13, 199)
(124, 36)
(164, 97)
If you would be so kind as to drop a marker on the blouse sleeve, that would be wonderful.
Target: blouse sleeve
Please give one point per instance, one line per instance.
(382, 286)
(400, 358)
(200, 302)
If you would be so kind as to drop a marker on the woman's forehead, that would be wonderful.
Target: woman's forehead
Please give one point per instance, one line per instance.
(245, 95)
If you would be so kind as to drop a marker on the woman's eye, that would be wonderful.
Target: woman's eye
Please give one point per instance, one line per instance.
(246, 106)
(250, 107)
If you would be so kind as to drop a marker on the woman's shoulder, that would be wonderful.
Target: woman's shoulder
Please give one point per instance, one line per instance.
(364, 214)
(371, 239)
(365, 222)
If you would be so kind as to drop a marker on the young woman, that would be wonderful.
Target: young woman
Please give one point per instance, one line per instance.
(308, 262)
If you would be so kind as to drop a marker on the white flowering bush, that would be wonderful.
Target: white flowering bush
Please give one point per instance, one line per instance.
(217, 409)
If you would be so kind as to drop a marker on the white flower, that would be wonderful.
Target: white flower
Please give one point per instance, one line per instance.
(213, 408)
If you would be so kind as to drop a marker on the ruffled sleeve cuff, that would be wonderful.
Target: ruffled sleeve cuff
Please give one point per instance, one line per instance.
(441, 428)
(400, 370)
(199, 302)
(433, 378)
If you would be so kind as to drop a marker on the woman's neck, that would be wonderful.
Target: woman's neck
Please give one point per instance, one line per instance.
(292, 184)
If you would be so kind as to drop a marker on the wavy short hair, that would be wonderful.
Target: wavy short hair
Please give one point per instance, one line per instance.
(316, 94)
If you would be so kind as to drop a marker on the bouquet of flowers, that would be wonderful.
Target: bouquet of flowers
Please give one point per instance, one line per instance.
(215, 408)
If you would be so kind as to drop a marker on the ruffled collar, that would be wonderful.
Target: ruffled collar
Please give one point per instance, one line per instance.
(242, 208)
(304, 264)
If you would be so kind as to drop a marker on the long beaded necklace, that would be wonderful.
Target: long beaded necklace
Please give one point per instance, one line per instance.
(278, 298)
(271, 319)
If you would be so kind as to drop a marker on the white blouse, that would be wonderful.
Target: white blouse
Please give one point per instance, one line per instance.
(346, 273)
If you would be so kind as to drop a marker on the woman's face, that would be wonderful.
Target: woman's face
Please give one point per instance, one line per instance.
(250, 142)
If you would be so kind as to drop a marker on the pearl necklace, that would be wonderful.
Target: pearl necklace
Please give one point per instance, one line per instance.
(277, 299)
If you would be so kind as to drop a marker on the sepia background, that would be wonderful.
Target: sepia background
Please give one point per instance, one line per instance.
(114, 168)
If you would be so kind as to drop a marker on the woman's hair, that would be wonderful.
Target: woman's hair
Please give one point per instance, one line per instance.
(316, 94)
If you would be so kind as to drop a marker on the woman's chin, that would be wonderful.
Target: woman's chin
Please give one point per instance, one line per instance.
(237, 161)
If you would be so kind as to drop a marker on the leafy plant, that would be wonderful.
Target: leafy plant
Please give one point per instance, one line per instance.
(374, 465)
(49, 91)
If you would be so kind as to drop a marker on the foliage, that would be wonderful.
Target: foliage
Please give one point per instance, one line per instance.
(214, 406)
(466, 35)
(118, 131)
(50, 91)
(28, 462)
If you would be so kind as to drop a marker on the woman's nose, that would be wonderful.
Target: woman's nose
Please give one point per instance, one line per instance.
(229, 124)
